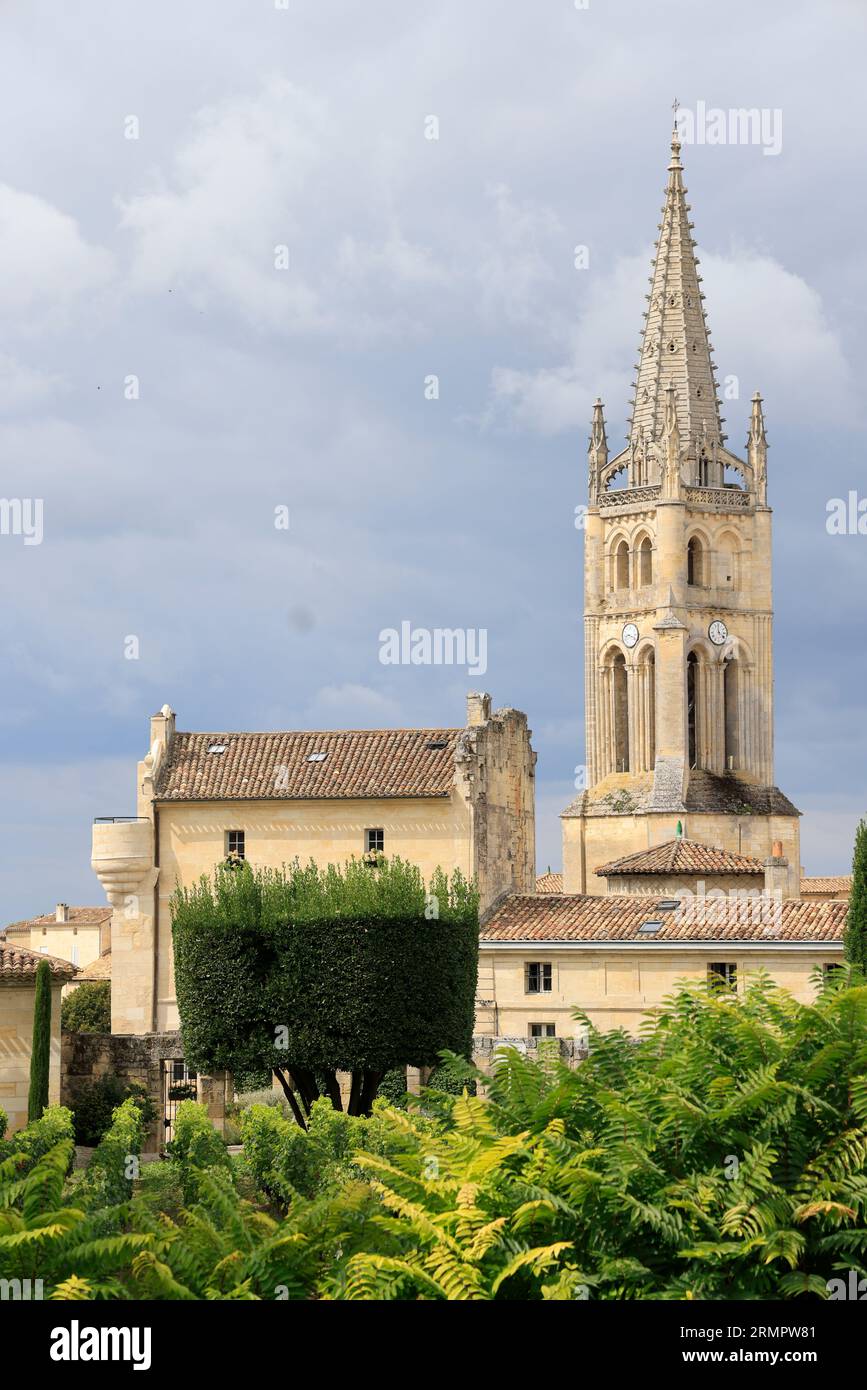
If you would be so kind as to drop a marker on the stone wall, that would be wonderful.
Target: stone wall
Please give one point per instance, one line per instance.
(85, 1057)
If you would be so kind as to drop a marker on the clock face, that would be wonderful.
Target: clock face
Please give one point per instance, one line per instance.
(718, 632)
(630, 635)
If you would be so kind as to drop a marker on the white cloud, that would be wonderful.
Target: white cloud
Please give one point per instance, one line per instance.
(47, 264)
(354, 705)
(768, 326)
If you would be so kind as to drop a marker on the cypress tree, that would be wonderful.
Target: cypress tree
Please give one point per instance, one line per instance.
(40, 1047)
(855, 935)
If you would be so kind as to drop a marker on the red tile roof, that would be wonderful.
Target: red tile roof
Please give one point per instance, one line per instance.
(549, 883)
(18, 965)
(840, 885)
(617, 917)
(78, 917)
(357, 763)
(99, 969)
(682, 856)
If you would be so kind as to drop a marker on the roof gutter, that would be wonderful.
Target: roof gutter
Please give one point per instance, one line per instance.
(711, 943)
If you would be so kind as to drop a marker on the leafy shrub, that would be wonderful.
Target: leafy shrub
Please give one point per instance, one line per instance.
(392, 1087)
(96, 1103)
(4, 1121)
(452, 1076)
(196, 1146)
(110, 1173)
(88, 1008)
(37, 1138)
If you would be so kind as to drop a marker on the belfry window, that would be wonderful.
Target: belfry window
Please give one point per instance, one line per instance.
(645, 563)
(731, 679)
(692, 707)
(621, 566)
(694, 568)
(621, 714)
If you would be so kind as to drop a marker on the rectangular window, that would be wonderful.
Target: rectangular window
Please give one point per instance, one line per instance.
(538, 977)
(234, 844)
(723, 974)
(374, 845)
(542, 1030)
(831, 967)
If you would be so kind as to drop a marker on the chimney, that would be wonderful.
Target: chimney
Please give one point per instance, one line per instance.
(61, 912)
(163, 727)
(777, 872)
(478, 709)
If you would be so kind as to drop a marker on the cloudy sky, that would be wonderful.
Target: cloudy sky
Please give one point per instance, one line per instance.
(165, 383)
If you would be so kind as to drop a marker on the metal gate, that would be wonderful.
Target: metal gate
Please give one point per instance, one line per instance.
(178, 1084)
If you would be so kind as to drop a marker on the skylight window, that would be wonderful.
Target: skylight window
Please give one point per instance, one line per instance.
(668, 904)
(216, 747)
(649, 928)
(316, 757)
(437, 743)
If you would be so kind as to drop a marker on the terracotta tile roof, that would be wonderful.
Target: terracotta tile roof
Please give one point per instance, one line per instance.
(841, 884)
(617, 917)
(16, 964)
(549, 883)
(682, 857)
(99, 969)
(78, 917)
(357, 763)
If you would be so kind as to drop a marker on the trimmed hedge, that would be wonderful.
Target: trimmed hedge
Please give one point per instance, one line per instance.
(351, 964)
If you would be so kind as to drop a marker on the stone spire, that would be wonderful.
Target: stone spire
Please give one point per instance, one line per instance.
(597, 453)
(675, 350)
(757, 450)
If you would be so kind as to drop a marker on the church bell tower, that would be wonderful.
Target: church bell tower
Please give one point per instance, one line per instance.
(678, 619)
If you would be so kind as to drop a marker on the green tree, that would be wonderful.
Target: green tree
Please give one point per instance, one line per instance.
(855, 935)
(40, 1046)
(88, 1008)
(312, 971)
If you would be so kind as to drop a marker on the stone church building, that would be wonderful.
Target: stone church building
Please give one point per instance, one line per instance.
(678, 610)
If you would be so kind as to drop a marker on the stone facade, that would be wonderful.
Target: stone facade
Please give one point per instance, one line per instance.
(16, 1036)
(616, 984)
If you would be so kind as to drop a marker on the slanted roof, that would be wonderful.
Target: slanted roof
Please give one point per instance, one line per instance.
(547, 917)
(682, 856)
(276, 766)
(18, 966)
(840, 885)
(78, 917)
(99, 969)
(549, 883)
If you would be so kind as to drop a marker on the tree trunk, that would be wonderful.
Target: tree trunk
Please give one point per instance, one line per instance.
(290, 1096)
